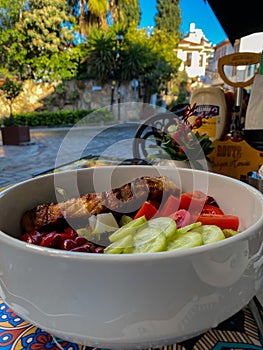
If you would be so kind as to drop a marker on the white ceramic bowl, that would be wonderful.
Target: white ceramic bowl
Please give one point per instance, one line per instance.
(130, 301)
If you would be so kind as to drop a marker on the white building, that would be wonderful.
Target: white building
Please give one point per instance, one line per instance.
(212, 76)
(195, 52)
(200, 58)
(251, 43)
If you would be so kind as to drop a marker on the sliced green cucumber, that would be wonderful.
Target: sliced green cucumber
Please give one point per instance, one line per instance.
(127, 229)
(150, 240)
(187, 240)
(210, 233)
(190, 227)
(121, 246)
(167, 225)
(146, 234)
(129, 250)
(125, 219)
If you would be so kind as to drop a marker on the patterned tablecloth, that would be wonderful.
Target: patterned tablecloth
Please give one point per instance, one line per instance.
(240, 331)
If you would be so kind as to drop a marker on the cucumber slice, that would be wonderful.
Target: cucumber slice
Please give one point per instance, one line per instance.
(125, 219)
(129, 250)
(127, 229)
(146, 234)
(121, 246)
(190, 227)
(167, 225)
(211, 233)
(149, 240)
(187, 240)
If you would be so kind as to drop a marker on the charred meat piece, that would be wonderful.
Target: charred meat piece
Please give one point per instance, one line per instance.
(125, 199)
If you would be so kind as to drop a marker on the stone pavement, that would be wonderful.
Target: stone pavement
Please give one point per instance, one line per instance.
(50, 147)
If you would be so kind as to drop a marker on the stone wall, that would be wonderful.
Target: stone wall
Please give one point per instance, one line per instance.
(71, 95)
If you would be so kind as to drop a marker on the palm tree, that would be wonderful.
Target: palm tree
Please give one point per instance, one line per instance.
(97, 13)
(89, 13)
(100, 59)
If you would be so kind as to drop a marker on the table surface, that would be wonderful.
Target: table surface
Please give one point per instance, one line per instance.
(238, 332)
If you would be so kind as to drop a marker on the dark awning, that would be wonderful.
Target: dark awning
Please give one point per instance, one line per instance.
(237, 18)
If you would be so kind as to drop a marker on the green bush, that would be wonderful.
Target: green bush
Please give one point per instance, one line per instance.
(63, 118)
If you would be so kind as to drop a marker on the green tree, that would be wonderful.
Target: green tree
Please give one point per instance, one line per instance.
(126, 12)
(10, 12)
(89, 14)
(94, 13)
(97, 13)
(163, 64)
(168, 16)
(180, 87)
(44, 40)
(135, 56)
(131, 14)
(100, 58)
(164, 41)
(10, 90)
(36, 42)
(110, 58)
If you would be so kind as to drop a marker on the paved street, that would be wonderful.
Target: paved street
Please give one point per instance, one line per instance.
(50, 147)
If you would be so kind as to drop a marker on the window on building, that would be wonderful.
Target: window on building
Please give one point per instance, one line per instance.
(201, 60)
(189, 59)
(256, 67)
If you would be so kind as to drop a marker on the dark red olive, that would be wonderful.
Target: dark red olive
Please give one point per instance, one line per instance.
(67, 240)
(68, 244)
(51, 240)
(33, 237)
(80, 249)
(99, 250)
(71, 232)
(80, 240)
(211, 201)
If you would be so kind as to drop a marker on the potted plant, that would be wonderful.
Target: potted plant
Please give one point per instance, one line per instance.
(12, 132)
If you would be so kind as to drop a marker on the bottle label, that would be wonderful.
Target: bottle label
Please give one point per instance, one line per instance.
(208, 111)
(210, 119)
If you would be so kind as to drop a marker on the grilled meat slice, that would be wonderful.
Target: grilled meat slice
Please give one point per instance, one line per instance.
(125, 199)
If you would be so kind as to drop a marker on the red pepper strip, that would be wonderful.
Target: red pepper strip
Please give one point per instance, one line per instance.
(170, 206)
(147, 210)
(222, 221)
(194, 200)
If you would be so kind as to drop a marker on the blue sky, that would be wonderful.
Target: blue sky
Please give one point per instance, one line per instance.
(196, 11)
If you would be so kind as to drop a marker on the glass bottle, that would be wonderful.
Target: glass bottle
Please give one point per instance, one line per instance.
(235, 132)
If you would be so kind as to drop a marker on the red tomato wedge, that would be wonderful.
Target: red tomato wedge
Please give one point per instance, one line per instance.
(222, 221)
(182, 218)
(211, 209)
(170, 206)
(194, 201)
(147, 209)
